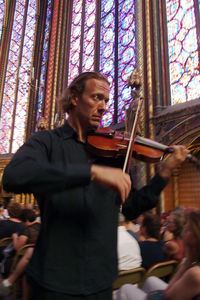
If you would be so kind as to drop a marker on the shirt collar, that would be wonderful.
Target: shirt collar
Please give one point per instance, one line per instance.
(68, 131)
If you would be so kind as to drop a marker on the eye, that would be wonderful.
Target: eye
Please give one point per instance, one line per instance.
(100, 97)
(97, 97)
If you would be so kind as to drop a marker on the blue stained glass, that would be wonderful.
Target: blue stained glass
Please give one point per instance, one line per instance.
(107, 55)
(127, 38)
(108, 50)
(75, 39)
(108, 66)
(76, 32)
(108, 5)
(109, 20)
(188, 20)
(91, 8)
(89, 48)
(90, 34)
(127, 21)
(88, 64)
(173, 28)
(183, 47)
(126, 72)
(175, 48)
(107, 58)
(44, 61)
(2, 7)
(172, 8)
(190, 42)
(77, 19)
(90, 20)
(127, 5)
(75, 58)
(187, 4)
(109, 36)
(128, 55)
(192, 91)
(78, 7)
(89, 31)
(126, 93)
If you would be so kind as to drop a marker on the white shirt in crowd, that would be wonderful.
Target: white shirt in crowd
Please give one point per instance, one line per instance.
(129, 255)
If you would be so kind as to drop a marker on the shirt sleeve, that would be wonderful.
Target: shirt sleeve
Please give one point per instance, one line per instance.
(30, 170)
(144, 199)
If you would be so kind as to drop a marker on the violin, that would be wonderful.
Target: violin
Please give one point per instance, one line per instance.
(110, 143)
(106, 142)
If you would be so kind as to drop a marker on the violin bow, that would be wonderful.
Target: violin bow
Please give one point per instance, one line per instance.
(128, 156)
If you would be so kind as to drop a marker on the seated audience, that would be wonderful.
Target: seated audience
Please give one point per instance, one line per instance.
(152, 247)
(128, 249)
(185, 284)
(174, 248)
(137, 224)
(6, 285)
(130, 227)
(13, 224)
(2, 214)
(164, 230)
(30, 233)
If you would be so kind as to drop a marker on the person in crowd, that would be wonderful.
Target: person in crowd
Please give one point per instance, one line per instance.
(174, 247)
(130, 227)
(9, 228)
(185, 284)
(30, 233)
(2, 214)
(165, 234)
(6, 285)
(129, 256)
(14, 223)
(152, 247)
(29, 236)
(79, 195)
(138, 223)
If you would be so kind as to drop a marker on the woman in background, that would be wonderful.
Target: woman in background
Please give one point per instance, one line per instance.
(185, 284)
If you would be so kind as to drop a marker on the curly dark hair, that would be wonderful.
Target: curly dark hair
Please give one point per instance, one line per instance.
(14, 209)
(27, 215)
(152, 223)
(76, 88)
(179, 222)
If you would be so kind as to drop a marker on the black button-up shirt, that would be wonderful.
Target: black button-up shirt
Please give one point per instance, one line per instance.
(76, 252)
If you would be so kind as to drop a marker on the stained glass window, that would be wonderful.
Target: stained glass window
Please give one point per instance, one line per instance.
(113, 54)
(17, 79)
(41, 94)
(17, 87)
(183, 50)
(2, 7)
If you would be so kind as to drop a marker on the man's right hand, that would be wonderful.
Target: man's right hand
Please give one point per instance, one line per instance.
(113, 178)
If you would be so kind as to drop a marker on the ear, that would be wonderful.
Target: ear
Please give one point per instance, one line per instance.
(74, 100)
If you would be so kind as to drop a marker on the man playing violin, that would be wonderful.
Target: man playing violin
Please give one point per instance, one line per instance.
(79, 196)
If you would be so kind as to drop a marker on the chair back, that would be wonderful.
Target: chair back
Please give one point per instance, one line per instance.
(17, 286)
(130, 276)
(19, 254)
(164, 269)
(4, 242)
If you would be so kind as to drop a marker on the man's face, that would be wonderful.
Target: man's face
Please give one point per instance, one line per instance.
(90, 107)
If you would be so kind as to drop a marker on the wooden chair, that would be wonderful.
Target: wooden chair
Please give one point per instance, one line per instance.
(19, 254)
(17, 286)
(4, 242)
(130, 276)
(164, 269)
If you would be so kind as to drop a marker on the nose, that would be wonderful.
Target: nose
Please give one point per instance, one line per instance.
(102, 105)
